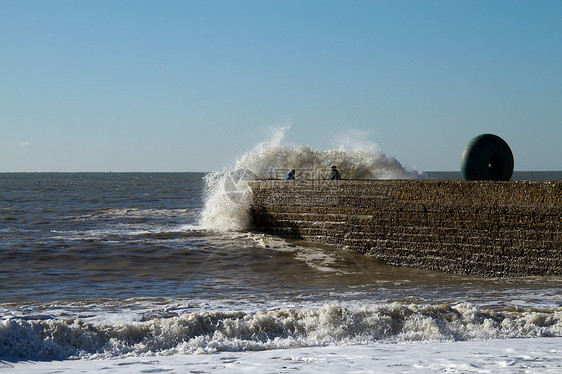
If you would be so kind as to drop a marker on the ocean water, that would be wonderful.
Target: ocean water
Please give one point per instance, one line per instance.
(149, 272)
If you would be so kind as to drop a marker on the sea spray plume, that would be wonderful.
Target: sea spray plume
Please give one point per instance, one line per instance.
(356, 158)
(226, 203)
(228, 195)
(369, 161)
(227, 192)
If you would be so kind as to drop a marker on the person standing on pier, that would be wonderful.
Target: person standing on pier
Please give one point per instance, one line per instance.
(290, 175)
(335, 176)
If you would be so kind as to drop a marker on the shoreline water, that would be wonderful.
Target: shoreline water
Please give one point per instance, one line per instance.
(534, 355)
(124, 256)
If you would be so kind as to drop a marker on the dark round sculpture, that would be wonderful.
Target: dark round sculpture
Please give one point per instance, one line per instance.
(487, 157)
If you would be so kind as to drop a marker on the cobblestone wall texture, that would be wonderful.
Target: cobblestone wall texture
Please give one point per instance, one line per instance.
(486, 228)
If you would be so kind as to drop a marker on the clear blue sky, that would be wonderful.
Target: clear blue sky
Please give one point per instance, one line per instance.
(80, 92)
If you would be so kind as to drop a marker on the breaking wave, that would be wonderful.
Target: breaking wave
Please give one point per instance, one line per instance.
(212, 331)
(227, 191)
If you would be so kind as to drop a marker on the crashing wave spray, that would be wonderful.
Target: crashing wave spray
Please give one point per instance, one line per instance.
(228, 194)
(237, 331)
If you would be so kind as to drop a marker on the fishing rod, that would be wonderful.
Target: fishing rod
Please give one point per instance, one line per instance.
(246, 169)
(194, 100)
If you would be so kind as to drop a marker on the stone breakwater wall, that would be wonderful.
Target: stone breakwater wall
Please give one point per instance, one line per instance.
(485, 228)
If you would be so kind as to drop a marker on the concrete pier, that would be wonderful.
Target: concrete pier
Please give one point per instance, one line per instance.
(485, 228)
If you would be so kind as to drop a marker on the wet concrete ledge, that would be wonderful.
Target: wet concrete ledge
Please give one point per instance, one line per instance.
(486, 228)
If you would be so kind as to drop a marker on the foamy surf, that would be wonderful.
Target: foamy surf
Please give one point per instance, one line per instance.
(237, 331)
(228, 193)
(531, 355)
(118, 268)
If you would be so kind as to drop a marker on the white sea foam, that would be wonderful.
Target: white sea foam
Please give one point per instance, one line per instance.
(316, 259)
(539, 355)
(211, 331)
(225, 202)
(356, 158)
(119, 213)
(227, 192)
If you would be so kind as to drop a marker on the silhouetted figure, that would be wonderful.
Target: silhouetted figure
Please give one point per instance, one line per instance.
(335, 176)
(290, 175)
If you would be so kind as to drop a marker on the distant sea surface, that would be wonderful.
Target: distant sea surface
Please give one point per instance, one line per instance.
(116, 265)
(517, 175)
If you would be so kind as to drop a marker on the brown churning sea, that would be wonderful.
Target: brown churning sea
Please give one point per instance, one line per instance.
(104, 247)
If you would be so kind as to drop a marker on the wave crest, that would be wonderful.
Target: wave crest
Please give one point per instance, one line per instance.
(260, 330)
(226, 204)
